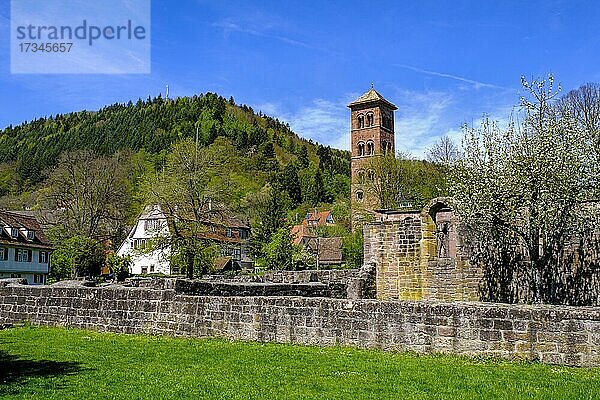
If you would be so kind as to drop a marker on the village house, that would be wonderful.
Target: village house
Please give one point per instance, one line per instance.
(152, 227)
(302, 232)
(24, 249)
(327, 251)
(233, 238)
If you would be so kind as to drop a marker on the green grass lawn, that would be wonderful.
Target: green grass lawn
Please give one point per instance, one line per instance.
(53, 363)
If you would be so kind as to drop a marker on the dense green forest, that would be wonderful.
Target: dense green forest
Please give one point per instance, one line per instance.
(101, 167)
(152, 126)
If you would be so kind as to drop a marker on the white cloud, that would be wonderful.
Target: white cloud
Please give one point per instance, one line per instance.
(323, 121)
(421, 119)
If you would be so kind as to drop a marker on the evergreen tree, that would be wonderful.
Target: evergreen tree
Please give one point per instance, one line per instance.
(303, 157)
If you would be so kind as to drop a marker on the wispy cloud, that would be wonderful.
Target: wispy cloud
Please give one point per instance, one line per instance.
(476, 84)
(229, 25)
(323, 121)
(420, 119)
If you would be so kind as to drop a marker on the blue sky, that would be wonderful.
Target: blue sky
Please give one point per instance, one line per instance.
(443, 63)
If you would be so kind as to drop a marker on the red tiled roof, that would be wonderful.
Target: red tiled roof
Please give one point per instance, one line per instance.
(300, 231)
(319, 217)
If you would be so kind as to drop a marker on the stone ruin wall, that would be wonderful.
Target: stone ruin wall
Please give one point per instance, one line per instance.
(551, 334)
(420, 255)
(341, 284)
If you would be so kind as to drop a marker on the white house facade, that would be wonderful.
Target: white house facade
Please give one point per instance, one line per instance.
(24, 249)
(150, 227)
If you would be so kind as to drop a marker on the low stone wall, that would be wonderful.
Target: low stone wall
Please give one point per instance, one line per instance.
(323, 275)
(306, 276)
(352, 284)
(207, 288)
(552, 334)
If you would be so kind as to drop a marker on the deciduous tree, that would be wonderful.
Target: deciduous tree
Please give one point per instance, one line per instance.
(525, 192)
(443, 152)
(191, 190)
(92, 194)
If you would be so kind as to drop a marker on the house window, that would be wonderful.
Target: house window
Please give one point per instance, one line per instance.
(22, 255)
(14, 232)
(152, 225)
(30, 235)
(43, 257)
(3, 254)
(139, 243)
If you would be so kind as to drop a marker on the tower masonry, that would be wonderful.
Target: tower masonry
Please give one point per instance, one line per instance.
(372, 134)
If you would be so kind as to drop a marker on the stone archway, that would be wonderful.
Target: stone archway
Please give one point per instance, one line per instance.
(419, 255)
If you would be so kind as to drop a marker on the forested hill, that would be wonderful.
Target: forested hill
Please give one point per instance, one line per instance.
(30, 150)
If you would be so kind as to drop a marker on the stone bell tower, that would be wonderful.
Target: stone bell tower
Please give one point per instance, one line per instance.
(372, 134)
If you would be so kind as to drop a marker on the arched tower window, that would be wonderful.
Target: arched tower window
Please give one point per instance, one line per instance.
(370, 119)
(361, 149)
(361, 121)
(370, 148)
(361, 176)
(387, 119)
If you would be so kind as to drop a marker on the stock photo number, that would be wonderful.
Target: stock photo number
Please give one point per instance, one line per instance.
(34, 47)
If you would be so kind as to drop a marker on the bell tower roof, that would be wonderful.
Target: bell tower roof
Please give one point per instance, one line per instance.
(371, 97)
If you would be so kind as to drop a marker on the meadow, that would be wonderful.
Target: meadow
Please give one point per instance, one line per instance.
(58, 363)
